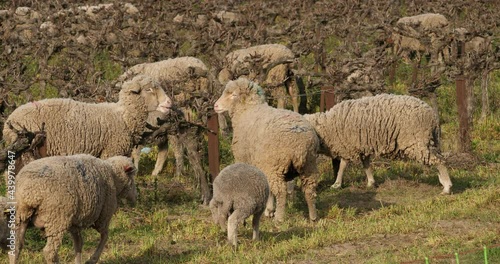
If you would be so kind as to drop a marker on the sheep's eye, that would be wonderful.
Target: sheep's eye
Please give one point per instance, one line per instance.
(149, 90)
(234, 94)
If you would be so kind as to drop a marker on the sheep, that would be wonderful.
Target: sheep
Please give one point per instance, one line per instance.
(184, 77)
(70, 193)
(384, 125)
(433, 26)
(240, 190)
(271, 63)
(102, 130)
(279, 142)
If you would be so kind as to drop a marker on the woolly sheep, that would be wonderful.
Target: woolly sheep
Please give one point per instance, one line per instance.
(273, 59)
(380, 126)
(183, 76)
(182, 69)
(429, 24)
(102, 130)
(279, 142)
(70, 193)
(240, 190)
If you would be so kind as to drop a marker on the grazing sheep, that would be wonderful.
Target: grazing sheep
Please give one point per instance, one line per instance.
(240, 190)
(279, 142)
(384, 125)
(186, 78)
(70, 193)
(433, 26)
(102, 130)
(268, 65)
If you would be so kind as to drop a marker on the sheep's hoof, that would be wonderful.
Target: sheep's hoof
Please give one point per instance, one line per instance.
(371, 185)
(336, 186)
(269, 213)
(444, 192)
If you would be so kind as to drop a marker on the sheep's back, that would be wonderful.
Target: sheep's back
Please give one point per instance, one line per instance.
(73, 127)
(243, 185)
(64, 190)
(383, 125)
(268, 137)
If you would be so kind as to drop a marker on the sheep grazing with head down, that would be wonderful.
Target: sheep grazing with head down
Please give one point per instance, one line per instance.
(187, 79)
(279, 142)
(240, 190)
(384, 125)
(269, 65)
(70, 193)
(102, 130)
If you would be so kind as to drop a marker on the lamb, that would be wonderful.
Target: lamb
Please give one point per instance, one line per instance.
(184, 77)
(384, 125)
(279, 142)
(70, 193)
(268, 64)
(240, 190)
(102, 130)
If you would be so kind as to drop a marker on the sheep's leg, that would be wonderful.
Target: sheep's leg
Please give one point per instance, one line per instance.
(309, 184)
(52, 247)
(279, 191)
(293, 91)
(269, 212)
(77, 244)
(234, 219)
(195, 161)
(368, 170)
(444, 179)
(255, 225)
(162, 157)
(290, 186)
(339, 166)
(136, 155)
(21, 231)
(100, 247)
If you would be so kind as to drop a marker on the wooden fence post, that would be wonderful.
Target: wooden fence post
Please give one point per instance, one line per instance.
(464, 138)
(213, 146)
(327, 99)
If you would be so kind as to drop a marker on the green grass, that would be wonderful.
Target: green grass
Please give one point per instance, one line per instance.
(403, 219)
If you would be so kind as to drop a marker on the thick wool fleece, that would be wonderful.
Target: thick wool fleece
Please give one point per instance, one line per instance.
(391, 126)
(240, 190)
(68, 193)
(383, 126)
(72, 127)
(280, 142)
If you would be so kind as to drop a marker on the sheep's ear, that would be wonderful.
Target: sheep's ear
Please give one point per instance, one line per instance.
(128, 168)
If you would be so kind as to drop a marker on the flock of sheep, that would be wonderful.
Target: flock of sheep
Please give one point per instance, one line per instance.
(87, 169)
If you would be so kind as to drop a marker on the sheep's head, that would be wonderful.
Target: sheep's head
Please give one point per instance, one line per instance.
(154, 97)
(125, 172)
(237, 93)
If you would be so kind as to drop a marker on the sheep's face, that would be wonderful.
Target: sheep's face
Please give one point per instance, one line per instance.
(124, 179)
(154, 96)
(239, 92)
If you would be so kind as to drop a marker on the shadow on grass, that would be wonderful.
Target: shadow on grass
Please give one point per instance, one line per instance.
(156, 255)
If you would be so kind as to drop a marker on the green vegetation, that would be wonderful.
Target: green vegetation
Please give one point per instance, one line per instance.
(404, 219)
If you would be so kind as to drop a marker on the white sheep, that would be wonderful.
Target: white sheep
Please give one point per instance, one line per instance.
(102, 130)
(70, 193)
(240, 190)
(279, 142)
(429, 25)
(253, 62)
(389, 126)
(183, 77)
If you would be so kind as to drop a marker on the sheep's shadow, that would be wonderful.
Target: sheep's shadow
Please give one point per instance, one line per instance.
(155, 255)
